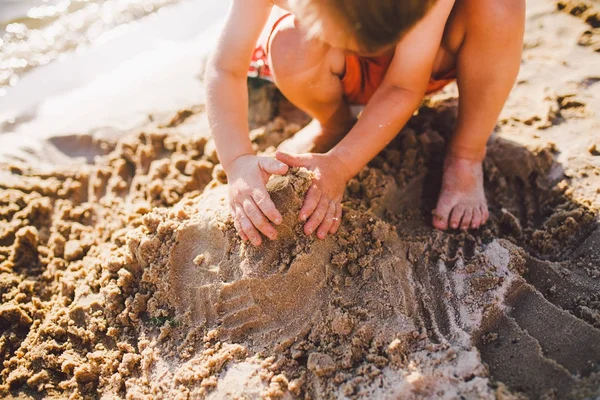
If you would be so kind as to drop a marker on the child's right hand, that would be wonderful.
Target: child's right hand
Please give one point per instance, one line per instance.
(250, 203)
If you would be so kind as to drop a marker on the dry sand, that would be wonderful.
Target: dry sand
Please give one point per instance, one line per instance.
(124, 278)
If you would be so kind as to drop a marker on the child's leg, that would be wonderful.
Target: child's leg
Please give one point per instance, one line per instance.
(308, 73)
(488, 60)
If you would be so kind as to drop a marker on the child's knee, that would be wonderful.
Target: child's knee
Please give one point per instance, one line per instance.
(502, 17)
(509, 16)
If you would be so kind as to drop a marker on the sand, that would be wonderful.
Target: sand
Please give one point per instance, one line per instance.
(124, 278)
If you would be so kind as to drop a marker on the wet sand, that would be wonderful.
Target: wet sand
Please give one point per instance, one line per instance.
(124, 277)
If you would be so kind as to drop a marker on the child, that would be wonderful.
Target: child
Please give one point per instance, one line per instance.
(325, 55)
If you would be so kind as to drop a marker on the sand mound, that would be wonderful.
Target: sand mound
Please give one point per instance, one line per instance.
(325, 305)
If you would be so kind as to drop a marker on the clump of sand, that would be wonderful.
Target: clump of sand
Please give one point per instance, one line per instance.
(336, 313)
(126, 278)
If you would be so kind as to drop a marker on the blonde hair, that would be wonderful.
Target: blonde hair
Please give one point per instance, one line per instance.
(373, 23)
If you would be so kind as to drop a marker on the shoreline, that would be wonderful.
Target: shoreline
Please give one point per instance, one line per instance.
(92, 91)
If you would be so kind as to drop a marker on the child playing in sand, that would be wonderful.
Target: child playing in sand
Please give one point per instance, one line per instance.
(325, 55)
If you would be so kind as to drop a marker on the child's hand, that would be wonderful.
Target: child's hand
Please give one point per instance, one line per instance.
(322, 206)
(249, 200)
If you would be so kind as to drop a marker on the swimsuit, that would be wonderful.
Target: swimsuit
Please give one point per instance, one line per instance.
(361, 79)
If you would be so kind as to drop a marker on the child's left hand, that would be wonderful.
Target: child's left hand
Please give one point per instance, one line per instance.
(322, 206)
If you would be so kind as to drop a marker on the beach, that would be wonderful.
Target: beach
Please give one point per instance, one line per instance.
(122, 276)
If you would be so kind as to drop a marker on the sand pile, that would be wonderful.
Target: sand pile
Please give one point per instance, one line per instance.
(125, 278)
(104, 293)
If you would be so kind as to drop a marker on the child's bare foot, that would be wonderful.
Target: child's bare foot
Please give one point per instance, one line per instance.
(314, 138)
(462, 202)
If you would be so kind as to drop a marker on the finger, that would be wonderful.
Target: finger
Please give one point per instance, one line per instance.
(313, 195)
(266, 205)
(249, 229)
(327, 221)
(317, 217)
(337, 220)
(293, 160)
(236, 223)
(272, 166)
(239, 230)
(258, 219)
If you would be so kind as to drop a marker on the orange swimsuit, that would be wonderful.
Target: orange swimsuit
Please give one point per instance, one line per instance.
(362, 77)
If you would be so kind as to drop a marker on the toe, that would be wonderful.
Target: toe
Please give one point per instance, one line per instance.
(440, 221)
(476, 221)
(441, 214)
(466, 219)
(485, 214)
(456, 216)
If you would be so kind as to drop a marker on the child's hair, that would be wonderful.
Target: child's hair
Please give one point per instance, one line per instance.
(373, 23)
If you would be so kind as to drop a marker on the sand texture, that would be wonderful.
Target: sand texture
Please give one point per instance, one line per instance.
(124, 278)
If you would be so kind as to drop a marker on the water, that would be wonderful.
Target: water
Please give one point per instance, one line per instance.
(36, 32)
(150, 66)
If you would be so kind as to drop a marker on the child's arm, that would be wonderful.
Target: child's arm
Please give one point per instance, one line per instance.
(399, 95)
(389, 109)
(227, 105)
